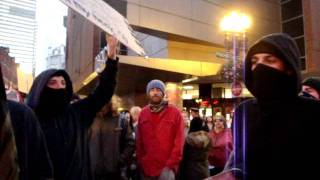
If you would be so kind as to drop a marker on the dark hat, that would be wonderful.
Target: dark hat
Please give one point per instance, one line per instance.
(265, 47)
(194, 109)
(195, 124)
(313, 82)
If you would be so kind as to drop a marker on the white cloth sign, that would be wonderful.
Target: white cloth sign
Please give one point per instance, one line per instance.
(108, 19)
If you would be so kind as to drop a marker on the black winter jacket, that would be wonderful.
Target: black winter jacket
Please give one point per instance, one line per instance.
(276, 138)
(33, 157)
(67, 132)
(194, 165)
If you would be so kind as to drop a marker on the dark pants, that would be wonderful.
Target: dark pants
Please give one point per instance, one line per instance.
(107, 175)
(150, 178)
(134, 175)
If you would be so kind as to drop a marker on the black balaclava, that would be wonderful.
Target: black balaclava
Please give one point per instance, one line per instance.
(313, 82)
(54, 98)
(268, 83)
(53, 101)
(307, 95)
(46, 101)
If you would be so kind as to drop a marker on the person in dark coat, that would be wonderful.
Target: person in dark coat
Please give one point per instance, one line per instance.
(9, 168)
(33, 157)
(66, 125)
(311, 87)
(275, 134)
(194, 165)
(23, 151)
(111, 144)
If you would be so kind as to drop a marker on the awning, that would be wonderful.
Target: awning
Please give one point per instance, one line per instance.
(191, 67)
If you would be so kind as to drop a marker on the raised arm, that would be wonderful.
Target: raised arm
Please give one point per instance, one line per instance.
(88, 107)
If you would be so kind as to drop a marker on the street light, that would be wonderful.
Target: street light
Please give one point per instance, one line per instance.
(235, 22)
(235, 26)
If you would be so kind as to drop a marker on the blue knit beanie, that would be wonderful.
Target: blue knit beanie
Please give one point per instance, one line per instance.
(156, 84)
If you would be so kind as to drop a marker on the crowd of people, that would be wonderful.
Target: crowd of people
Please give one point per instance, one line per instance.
(272, 136)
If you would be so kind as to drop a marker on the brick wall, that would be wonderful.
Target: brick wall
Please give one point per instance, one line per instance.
(9, 68)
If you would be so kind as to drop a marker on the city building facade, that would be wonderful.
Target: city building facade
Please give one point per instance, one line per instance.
(56, 57)
(185, 31)
(18, 30)
(9, 68)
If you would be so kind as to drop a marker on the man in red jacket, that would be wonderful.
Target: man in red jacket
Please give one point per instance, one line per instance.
(160, 136)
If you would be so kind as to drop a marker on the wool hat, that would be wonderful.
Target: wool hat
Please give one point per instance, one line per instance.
(156, 84)
(265, 47)
(313, 82)
(195, 124)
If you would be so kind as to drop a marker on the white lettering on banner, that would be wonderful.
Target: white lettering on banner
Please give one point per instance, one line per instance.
(108, 19)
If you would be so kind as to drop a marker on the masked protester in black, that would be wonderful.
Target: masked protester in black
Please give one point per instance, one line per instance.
(23, 151)
(275, 134)
(33, 156)
(65, 125)
(311, 88)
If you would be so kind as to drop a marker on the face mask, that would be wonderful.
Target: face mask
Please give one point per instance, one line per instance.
(54, 98)
(307, 95)
(270, 83)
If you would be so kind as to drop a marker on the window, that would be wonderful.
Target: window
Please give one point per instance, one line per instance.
(292, 24)
(22, 12)
(294, 27)
(290, 9)
(303, 63)
(300, 43)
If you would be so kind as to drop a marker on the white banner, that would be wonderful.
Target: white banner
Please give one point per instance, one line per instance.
(108, 19)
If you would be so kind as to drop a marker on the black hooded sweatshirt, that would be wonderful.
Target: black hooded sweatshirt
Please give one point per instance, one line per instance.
(33, 157)
(276, 136)
(66, 129)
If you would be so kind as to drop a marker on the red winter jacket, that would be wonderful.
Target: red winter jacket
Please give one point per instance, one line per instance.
(160, 140)
(221, 147)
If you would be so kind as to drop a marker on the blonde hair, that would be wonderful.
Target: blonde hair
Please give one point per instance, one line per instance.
(220, 117)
